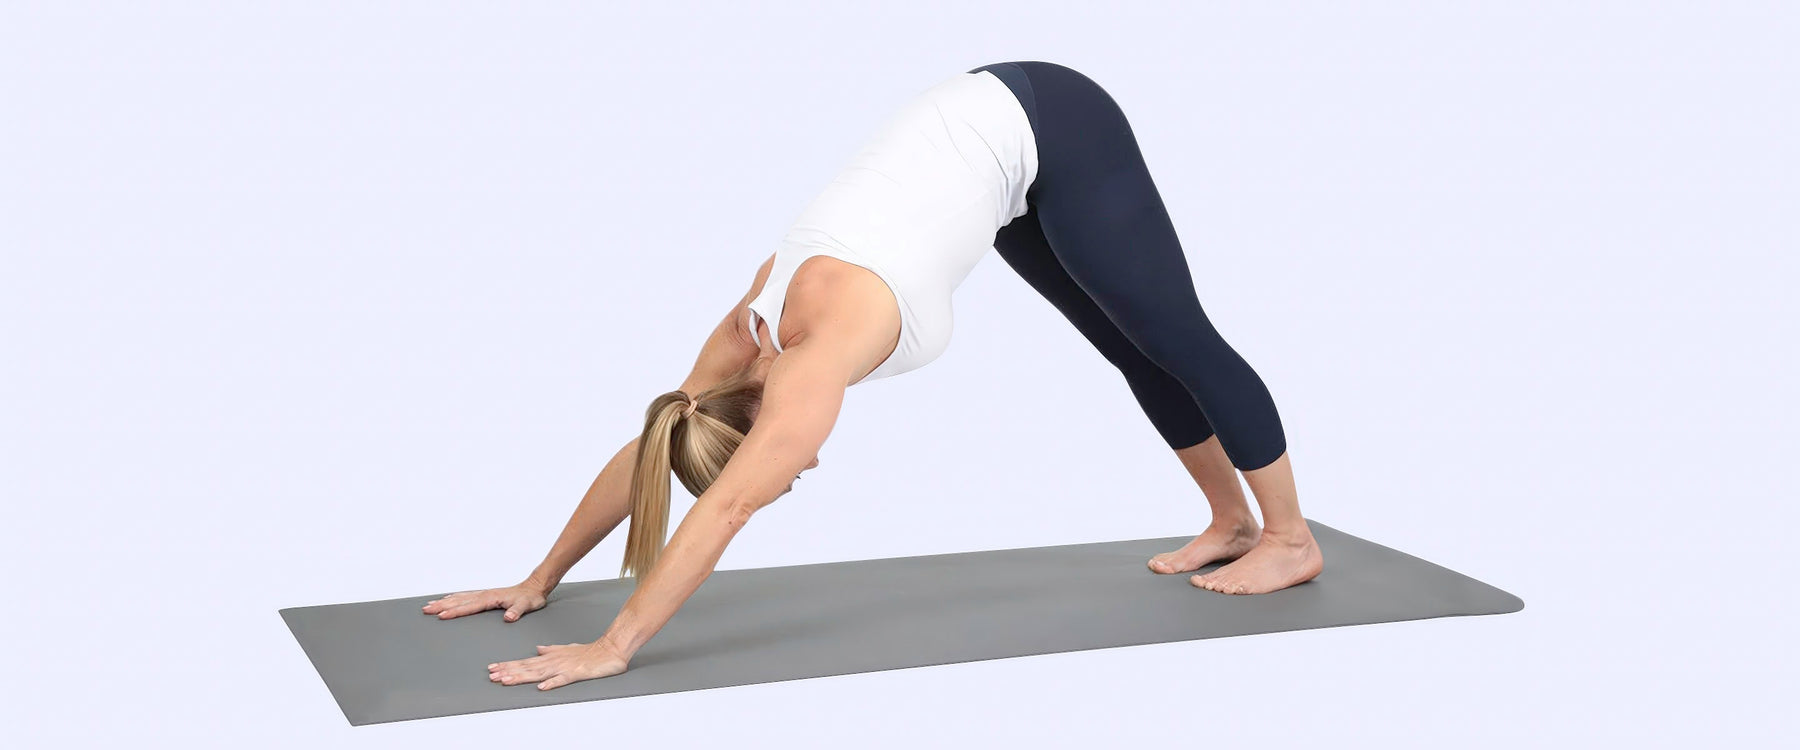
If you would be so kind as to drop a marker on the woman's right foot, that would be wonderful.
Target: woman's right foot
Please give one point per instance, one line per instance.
(1220, 541)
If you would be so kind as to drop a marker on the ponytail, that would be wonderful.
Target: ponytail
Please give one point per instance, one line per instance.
(650, 485)
(695, 447)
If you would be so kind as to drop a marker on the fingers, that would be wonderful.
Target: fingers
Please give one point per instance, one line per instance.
(553, 667)
(467, 607)
(469, 602)
(546, 665)
(441, 603)
(465, 603)
(478, 602)
(514, 672)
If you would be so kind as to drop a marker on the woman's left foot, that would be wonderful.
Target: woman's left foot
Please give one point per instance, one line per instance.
(1275, 563)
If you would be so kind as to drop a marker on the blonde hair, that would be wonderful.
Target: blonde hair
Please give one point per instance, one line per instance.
(695, 447)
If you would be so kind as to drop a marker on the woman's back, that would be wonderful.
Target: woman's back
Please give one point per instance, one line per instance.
(919, 206)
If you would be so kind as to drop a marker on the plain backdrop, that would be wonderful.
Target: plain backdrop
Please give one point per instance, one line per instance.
(317, 302)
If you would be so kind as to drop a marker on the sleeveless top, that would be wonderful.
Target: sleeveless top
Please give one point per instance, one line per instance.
(919, 205)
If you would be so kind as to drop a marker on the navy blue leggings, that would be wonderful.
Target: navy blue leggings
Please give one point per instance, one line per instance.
(1098, 244)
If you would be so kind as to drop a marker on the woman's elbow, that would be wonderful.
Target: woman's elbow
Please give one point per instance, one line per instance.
(736, 511)
(737, 514)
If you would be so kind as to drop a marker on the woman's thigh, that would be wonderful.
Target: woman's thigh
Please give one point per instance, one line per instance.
(1103, 219)
(1165, 401)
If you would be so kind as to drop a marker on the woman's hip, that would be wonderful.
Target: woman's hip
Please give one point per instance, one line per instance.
(1083, 136)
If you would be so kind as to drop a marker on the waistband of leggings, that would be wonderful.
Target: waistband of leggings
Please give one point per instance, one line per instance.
(1019, 84)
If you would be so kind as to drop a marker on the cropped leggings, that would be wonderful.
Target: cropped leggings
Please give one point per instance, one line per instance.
(1097, 243)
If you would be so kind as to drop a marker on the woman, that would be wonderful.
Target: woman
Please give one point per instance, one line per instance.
(1032, 159)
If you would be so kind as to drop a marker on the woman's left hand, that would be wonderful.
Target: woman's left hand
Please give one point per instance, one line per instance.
(560, 665)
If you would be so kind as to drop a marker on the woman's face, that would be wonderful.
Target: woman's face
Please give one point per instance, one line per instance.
(790, 487)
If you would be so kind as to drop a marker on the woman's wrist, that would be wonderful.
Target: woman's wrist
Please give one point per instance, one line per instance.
(607, 647)
(540, 585)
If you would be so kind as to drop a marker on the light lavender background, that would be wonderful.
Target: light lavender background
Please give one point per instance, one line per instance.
(321, 302)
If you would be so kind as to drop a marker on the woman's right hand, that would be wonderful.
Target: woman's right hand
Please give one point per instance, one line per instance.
(517, 600)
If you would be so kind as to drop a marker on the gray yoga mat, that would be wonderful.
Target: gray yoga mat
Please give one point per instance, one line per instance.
(386, 661)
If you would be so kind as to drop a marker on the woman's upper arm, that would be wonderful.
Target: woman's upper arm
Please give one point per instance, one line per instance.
(801, 399)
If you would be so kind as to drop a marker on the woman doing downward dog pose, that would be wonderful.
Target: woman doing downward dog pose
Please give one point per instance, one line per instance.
(1032, 159)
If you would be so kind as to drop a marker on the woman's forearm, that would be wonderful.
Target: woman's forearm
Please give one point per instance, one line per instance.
(686, 562)
(606, 504)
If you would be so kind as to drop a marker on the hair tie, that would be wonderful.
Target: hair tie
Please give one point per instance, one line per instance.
(693, 403)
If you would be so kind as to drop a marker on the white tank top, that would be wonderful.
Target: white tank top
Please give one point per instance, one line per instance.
(919, 205)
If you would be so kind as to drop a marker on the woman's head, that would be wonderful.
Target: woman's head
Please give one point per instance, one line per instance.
(695, 447)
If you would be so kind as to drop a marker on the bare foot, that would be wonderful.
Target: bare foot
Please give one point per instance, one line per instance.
(1221, 541)
(1275, 563)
